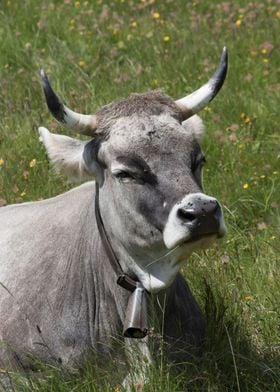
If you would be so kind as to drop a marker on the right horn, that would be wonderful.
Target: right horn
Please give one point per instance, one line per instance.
(81, 123)
(196, 101)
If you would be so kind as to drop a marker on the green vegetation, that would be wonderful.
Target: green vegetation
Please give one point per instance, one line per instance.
(98, 51)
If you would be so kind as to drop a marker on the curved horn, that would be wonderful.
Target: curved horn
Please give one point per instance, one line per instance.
(81, 123)
(196, 101)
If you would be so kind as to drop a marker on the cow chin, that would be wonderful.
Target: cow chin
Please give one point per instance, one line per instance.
(160, 274)
(188, 242)
(160, 277)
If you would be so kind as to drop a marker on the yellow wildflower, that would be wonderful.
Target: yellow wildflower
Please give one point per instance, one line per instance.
(265, 60)
(247, 120)
(77, 4)
(278, 14)
(1, 161)
(242, 115)
(72, 21)
(248, 298)
(238, 22)
(33, 162)
(23, 194)
(156, 15)
(133, 24)
(264, 51)
(166, 38)
(245, 186)
(82, 63)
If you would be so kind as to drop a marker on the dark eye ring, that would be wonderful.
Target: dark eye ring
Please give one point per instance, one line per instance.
(198, 164)
(123, 175)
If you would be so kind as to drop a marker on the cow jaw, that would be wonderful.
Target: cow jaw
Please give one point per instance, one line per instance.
(158, 274)
(159, 278)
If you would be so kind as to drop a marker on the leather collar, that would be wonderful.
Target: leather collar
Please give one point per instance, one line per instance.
(123, 280)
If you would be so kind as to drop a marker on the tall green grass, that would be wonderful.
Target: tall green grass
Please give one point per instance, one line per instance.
(99, 51)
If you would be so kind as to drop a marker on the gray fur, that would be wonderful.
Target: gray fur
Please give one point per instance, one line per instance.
(152, 103)
(58, 295)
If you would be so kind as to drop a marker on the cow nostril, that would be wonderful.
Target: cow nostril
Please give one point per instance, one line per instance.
(186, 215)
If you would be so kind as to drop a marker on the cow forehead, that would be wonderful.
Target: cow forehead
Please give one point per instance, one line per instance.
(149, 136)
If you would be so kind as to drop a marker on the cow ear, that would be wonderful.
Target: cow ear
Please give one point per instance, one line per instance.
(195, 126)
(67, 156)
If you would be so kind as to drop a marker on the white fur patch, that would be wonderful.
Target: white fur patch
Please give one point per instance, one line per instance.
(176, 232)
(66, 154)
(194, 125)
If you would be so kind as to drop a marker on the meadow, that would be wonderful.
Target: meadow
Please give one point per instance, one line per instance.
(98, 51)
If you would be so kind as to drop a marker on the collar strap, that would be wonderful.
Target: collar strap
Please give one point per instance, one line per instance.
(123, 280)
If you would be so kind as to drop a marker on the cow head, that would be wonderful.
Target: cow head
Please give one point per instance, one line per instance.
(146, 157)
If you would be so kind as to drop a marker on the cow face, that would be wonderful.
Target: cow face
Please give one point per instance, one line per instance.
(151, 201)
(147, 159)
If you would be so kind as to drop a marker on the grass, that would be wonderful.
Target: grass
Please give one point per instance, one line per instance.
(99, 51)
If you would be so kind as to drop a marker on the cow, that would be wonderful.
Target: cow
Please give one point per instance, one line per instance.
(135, 222)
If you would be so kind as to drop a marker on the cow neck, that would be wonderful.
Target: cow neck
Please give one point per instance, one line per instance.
(123, 280)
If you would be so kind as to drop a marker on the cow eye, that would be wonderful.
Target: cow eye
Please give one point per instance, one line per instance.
(123, 176)
(198, 164)
(197, 167)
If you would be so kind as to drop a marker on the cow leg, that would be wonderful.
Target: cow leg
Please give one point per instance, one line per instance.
(184, 323)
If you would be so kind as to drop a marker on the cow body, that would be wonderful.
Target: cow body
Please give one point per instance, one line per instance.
(59, 298)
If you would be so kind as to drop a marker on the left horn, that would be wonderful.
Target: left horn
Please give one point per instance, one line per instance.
(81, 123)
(196, 101)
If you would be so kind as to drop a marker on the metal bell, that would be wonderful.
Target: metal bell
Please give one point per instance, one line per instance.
(136, 318)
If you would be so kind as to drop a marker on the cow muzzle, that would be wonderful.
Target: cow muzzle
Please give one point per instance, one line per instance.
(196, 217)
